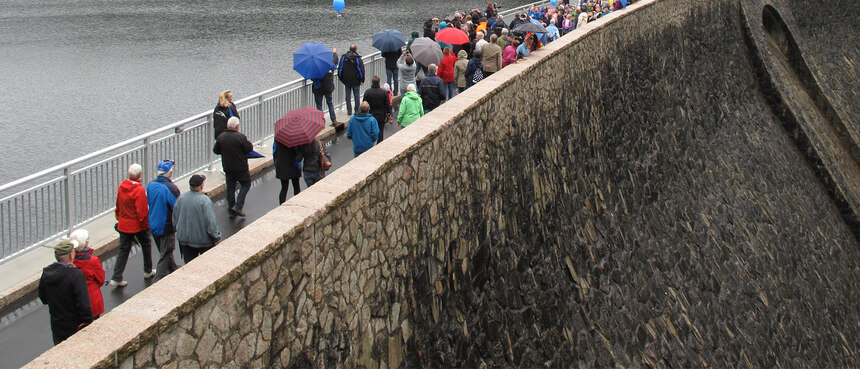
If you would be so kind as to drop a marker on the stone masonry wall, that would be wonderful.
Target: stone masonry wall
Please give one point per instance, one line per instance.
(623, 197)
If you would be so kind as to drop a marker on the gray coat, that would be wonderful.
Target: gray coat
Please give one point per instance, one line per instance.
(194, 218)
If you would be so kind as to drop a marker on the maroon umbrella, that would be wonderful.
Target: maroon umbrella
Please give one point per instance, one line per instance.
(452, 36)
(299, 126)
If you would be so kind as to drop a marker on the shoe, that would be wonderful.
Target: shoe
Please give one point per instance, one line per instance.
(114, 283)
(150, 274)
(238, 211)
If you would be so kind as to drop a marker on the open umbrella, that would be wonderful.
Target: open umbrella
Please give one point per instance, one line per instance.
(389, 40)
(524, 28)
(426, 51)
(452, 36)
(312, 60)
(299, 126)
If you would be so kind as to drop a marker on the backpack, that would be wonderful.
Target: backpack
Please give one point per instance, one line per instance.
(478, 76)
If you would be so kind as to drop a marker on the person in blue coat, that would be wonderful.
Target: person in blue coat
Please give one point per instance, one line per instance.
(362, 129)
(161, 195)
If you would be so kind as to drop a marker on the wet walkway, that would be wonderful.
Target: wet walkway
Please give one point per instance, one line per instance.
(26, 333)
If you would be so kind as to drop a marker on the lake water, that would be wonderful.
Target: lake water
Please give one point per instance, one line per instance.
(80, 75)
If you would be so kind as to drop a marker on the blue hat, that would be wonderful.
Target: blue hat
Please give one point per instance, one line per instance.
(165, 166)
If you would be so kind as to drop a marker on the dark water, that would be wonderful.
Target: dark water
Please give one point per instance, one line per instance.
(80, 75)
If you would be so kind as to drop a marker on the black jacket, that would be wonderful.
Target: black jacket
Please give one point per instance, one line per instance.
(233, 148)
(431, 92)
(378, 100)
(350, 70)
(312, 157)
(391, 58)
(64, 289)
(220, 116)
(286, 159)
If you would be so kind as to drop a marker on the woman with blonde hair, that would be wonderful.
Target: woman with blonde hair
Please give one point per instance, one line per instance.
(223, 111)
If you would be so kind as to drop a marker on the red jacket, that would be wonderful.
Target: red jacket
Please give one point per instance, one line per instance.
(91, 266)
(446, 68)
(132, 212)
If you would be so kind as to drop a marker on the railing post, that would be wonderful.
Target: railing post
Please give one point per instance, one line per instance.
(145, 175)
(210, 131)
(67, 182)
(260, 121)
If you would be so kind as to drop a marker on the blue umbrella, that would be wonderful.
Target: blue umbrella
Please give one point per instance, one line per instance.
(313, 60)
(389, 40)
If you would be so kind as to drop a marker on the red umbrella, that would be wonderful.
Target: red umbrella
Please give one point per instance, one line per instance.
(299, 126)
(452, 36)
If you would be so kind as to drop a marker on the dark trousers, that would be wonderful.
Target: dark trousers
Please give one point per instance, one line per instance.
(285, 185)
(125, 240)
(380, 120)
(311, 177)
(354, 90)
(189, 253)
(391, 77)
(244, 179)
(318, 98)
(165, 244)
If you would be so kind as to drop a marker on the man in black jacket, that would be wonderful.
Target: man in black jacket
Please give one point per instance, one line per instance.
(350, 70)
(64, 289)
(380, 106)
(430, 90)
(323, 87)
(234, 148)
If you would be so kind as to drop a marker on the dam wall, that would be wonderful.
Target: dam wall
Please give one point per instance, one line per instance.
(628, 196)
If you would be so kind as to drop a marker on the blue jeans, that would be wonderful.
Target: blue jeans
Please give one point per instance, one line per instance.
(311, 177)
(244, 179)
(354, 90)
(318, 98)
(391, 77)
(448, 90)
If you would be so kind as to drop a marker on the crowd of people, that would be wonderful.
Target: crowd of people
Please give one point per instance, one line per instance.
(161, 213)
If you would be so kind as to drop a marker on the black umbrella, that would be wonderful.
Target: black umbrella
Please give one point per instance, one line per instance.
(524, 28)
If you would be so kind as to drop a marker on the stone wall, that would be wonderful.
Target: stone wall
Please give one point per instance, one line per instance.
(623, 197)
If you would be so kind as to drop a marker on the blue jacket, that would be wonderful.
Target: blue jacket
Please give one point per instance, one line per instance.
(363, 131)
(161, 194)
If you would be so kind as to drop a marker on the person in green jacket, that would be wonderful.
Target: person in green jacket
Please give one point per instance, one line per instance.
(411, 107)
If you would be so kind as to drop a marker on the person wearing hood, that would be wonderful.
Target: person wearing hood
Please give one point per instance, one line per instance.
(460, 70)
(430, 89)
(161, 195)
(408, 69)
(475, 70)
(132, 214)
(91, 266)
(362, 129)
(223, 111)
(411, 40)
(446, 72)
(442, 45)
(350, 71)
(411, 106)
(64, 289)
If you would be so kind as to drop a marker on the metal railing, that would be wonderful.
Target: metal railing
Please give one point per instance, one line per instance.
(43, 206)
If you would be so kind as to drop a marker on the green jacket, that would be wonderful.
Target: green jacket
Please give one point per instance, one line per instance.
(411, 108)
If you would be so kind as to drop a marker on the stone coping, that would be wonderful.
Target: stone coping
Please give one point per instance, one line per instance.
(161, 305)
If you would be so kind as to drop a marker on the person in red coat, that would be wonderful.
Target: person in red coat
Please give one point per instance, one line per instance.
(132, 215)
(446, 73)
(91, 266)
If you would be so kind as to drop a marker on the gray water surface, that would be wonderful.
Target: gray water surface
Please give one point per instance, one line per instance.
(80, 75)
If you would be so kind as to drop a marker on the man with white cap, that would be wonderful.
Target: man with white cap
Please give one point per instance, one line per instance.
(64, 289)
(161, 194)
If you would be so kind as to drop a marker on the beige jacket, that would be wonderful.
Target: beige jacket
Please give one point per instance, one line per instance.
(460, 68)
(492, 58)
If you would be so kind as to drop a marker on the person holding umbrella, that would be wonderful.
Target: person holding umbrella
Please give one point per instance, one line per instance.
(293, 131)
(323, 88)
(316, 62)
(390, 42)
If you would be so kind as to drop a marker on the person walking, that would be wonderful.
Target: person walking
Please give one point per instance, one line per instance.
(234, 148)
(350, 71)
(407, 68)
(411, 106)
(64, 289)
(430, 89)
(380, 106)
(363, 130)
(492, 57)
(161, 195)
(225, 110)
(91, 266)
(132, 214)
(460, 70)
(288, 168)
(323, 88)
(475, 70)
(446, 73)
(194, 216)
(391, 69)
(315, 162)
